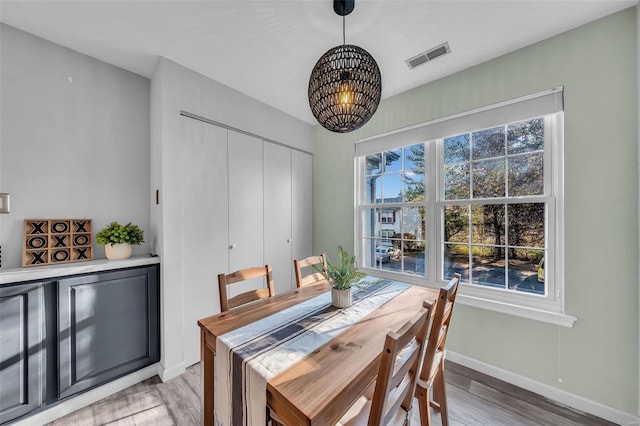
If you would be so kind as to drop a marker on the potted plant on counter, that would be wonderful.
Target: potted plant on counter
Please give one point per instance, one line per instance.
(341, 276)
(117, 239)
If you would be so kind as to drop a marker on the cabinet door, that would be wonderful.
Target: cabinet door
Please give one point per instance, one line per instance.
(277, 214)
(302, 204)
(108, 326)
(245, 202)
(21, 350)
(205, 220)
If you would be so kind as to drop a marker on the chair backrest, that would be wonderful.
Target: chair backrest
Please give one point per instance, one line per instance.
(314, 276)
(439, 328)
(249, 296)
(399, 365)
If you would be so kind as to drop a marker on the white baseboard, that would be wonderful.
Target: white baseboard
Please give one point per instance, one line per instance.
(170, 372)
(555, 394)
(88, 398)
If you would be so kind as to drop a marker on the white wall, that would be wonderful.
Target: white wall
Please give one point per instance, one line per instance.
(74, 140)
(175, 88)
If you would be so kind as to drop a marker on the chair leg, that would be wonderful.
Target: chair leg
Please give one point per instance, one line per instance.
(423, 405)
(440, 394)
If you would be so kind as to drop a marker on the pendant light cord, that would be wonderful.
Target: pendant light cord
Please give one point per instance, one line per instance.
(343, 36)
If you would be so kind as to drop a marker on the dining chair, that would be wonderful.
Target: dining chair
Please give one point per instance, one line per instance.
(249, 296)
(431, 379)
(307, 263)
(388, 401)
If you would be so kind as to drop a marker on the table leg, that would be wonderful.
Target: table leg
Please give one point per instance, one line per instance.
(206, 357)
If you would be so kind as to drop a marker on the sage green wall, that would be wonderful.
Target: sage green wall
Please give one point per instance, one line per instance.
(597, 359)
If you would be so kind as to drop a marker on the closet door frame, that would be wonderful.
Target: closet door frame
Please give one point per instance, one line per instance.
(277, 214)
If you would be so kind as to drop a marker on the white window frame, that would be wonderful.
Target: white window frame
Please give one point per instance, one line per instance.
(547, 308)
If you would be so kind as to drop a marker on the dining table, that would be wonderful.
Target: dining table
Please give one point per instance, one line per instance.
(318, 386)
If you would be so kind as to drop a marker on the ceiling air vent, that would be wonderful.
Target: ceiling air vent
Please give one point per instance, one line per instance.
(429, 55)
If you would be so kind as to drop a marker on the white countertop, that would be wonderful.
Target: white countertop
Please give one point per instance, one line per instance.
(8, 276)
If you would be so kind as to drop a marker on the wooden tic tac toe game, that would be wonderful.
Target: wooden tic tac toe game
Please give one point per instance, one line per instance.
(51, 241)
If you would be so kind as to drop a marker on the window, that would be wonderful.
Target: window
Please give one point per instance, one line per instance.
(479, 201)
(395, 190)
(388, 216)
(494, 207)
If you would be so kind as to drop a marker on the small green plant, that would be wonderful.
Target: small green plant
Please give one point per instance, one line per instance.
(119, 234)
(343, 274)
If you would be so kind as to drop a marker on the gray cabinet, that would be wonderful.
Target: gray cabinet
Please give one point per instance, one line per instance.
(62, 336)
(22, 349)
(107, 327)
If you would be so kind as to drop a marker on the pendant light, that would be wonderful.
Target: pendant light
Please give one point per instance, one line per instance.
(345, 84)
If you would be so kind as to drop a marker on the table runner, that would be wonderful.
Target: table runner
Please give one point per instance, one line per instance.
(246, 358)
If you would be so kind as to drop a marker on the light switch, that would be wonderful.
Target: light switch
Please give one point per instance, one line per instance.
(4, 202)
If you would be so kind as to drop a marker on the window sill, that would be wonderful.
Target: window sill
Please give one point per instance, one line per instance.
(555, 318)
(528, 312)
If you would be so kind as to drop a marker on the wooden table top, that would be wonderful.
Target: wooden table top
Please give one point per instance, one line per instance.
(318, 389)
(224, 322)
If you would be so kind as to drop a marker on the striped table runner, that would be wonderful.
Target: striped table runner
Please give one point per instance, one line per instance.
(246, 358)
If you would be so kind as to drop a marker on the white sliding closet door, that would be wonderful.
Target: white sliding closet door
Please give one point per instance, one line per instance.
(302, 204)
(246, 218)
(277, 214)
(204, 225)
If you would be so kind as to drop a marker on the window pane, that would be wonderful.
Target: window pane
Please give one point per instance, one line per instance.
(392, 188)
(526, 175)
(369, 254)
(456, 182)
(413, 223)
(373, 189)
(414, 157)
(456, 224)
(413, 260)
(488, 266)
(488, 178)
(526, 225)
(456, 260)
(488, 224)
(526, 136)
(392, 161)
(456, 149)
(371, 223)
(414, 186)
(488, 143)
(373, 164)
(526, 270)
(389, 255)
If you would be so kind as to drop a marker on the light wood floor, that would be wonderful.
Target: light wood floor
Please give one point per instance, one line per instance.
(474, 399)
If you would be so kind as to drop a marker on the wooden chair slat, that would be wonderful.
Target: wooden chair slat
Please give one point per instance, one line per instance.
(312, 275)
(249, 296)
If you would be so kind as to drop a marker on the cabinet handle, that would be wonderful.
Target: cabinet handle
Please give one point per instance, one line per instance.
(288, 240)
(232, 246)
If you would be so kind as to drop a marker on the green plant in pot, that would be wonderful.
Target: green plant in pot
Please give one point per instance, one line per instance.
(117, 239)
(341, 276)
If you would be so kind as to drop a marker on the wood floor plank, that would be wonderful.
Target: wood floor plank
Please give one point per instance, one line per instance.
(157, 416)
(474, 399)
(181, 400)
(108, 411)
(82, 417)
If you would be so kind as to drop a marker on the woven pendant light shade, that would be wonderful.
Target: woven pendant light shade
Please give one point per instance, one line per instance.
(345, 88)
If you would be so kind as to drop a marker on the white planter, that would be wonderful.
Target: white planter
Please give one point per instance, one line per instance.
(117, 251)
(341, 298)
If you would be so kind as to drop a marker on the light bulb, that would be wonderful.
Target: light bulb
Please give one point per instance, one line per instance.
(345, 93)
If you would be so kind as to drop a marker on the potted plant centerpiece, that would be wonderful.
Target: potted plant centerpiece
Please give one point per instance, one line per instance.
(341, 276)
(117, 239)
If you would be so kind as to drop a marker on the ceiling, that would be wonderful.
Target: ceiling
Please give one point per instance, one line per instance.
(267, 48)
